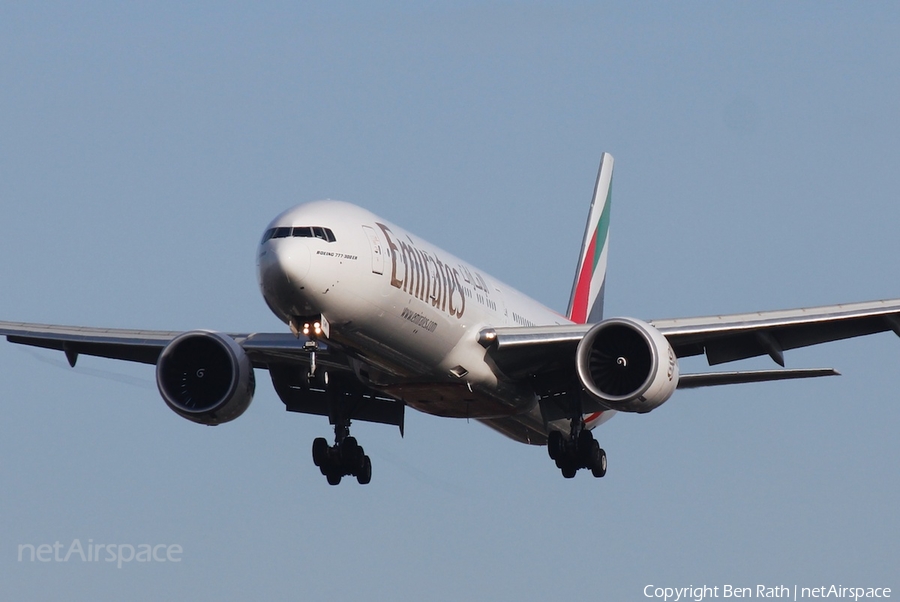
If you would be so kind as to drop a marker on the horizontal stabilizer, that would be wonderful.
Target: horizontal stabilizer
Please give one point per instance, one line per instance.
(712, 379)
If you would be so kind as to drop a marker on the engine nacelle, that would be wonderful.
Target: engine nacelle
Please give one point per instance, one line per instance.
(627, 365)
(205, 377)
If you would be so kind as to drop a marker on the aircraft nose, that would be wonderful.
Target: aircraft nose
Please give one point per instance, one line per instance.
(293, 260)
(283, 263)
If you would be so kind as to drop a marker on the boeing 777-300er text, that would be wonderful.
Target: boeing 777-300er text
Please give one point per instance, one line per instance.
(379, 319)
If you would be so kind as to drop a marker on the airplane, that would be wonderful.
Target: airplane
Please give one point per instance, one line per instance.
(378, 320)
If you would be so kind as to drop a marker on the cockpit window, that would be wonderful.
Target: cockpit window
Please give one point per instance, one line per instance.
(300, 232)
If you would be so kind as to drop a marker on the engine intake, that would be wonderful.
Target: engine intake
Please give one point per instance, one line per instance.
(205, 377)
(627, 365)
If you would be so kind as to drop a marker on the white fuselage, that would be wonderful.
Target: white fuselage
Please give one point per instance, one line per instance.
(408, 311)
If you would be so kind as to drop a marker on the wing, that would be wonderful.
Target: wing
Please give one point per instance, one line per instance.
(282, 354)
(144, 346)
(519, 352)
(740, 336)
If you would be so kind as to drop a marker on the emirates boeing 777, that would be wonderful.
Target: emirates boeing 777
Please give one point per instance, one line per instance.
(378, 320)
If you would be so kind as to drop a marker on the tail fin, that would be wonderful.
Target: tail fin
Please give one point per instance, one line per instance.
(586, 302)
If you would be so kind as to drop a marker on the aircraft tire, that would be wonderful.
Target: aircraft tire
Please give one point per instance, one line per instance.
(584, 446)
(555, 445)
(593, 454)
(599, 469)
(319, 451)
(365, 474)
(352, 455)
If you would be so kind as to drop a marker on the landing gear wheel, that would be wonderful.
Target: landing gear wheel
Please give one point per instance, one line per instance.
(599, 469)
(555, 444)
(576, 451)
(365, 475)
(345, 458)
(319, 380)
(584, 446)
(319, 451)
(593, 455)
(350, 451)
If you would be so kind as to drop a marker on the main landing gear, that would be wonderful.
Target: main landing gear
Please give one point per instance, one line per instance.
(345, 458)
(578, 450)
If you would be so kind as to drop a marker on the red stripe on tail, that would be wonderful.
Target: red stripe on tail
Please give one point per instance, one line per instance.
(583, 289)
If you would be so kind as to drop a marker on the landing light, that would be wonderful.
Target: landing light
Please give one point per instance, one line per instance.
(316, 327)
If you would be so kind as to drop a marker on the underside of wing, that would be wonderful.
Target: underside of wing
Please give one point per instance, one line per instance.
(547, 355)
(713, 379)
(740, 336)
(285, 356)
(142, 346)
(145, 346)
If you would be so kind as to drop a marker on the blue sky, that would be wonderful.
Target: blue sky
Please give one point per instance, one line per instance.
(143, 150)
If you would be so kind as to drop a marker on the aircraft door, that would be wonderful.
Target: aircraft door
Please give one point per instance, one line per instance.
(377, 246)
(501, 305)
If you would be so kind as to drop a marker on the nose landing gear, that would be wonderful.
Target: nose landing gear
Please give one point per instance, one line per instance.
(313, 328)
(346, 457)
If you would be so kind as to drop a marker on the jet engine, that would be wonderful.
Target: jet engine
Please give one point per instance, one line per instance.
(205, 377)
(627, 365)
